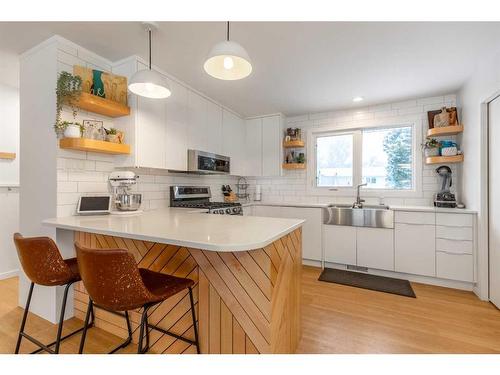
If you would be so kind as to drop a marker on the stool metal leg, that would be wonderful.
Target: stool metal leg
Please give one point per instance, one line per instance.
(90, 308)
(61, 318)
(194, 321)
(144, 327)
(25, 316)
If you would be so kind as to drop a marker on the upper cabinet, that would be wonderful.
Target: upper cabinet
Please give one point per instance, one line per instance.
(176, 133)
(233, 141)
(204, 124)
(263, 145)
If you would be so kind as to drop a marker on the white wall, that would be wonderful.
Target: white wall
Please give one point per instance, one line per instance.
(9, 169)
(481, 86)
(292, 186)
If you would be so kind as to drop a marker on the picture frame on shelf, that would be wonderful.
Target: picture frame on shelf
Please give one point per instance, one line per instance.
(94, 129)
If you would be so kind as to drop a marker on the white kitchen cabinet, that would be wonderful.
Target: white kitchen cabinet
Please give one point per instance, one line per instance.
(177, 128)
(339, 243)
(213, 128)
(375, 248)
(263, 146)
(414, 249)
(254, 147)
(271, 145)
(455, 266)
(311, 229)
(204, 124)
(233, 141)
(151, 139)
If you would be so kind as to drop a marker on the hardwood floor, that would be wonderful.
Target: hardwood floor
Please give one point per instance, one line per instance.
(335, 319)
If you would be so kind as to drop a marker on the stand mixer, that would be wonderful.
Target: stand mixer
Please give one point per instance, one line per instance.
(121, 183)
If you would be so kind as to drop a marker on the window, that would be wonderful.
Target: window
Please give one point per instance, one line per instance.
(334, 160)
(387, 158)
(381, 157)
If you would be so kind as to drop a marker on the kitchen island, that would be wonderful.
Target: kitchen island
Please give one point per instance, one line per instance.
(246, 272)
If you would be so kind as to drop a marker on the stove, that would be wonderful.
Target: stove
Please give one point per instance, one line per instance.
(199, 197)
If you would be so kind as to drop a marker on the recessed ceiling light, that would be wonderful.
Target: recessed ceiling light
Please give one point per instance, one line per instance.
(357, 99)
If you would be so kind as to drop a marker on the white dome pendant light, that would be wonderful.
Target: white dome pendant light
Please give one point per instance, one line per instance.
(147, 82)
(228, 61)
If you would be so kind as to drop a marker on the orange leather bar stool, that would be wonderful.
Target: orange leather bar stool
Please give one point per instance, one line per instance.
(43, 265)
(115, 283)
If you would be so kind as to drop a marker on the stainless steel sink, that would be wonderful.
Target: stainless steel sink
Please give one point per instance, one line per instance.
(374, 216)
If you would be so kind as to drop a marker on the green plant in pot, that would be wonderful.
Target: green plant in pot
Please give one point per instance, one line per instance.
(68, 91)
(112, 135)
(431, 147)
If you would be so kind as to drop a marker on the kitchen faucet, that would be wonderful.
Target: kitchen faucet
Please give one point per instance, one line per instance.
(359, 201)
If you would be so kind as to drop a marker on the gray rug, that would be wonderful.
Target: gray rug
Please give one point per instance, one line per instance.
(367, 281)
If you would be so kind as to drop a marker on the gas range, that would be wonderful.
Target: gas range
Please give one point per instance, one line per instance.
(199, 197)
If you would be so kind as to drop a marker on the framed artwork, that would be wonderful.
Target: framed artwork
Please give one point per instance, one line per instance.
(102, 84)
(94, 129)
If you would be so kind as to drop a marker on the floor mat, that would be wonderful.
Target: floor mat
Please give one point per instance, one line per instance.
(367, 281)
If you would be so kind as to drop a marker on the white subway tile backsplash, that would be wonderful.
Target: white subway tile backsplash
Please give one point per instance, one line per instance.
(431, 100)
(404, 104)
(67, 187)
(92, 187)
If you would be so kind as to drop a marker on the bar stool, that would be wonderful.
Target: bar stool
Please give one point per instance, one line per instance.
(115, 283)
(43, 265)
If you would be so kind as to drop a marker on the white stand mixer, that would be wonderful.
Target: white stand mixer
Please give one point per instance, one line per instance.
(125, 202)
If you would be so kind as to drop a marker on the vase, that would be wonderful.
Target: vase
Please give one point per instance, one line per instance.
(113, 138)
(442, 119)
(72, 131)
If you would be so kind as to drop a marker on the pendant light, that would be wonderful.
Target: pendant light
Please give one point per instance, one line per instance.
(147, 82)
(228, 60)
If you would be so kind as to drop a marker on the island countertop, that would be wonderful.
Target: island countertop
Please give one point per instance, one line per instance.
(182, 227)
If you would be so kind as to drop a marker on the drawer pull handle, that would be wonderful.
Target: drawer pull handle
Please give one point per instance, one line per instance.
(452, 253)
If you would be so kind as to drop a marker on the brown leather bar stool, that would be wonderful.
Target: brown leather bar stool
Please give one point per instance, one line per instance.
(43, 265)
(115, 283)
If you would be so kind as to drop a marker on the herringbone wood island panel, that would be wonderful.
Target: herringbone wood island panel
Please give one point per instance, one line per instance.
(246, 301)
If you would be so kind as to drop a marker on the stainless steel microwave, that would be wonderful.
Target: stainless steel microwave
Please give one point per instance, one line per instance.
(206, 162)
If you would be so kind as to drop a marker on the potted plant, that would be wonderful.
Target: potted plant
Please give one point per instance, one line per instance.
(431, 147)
(71, 129)
(112, 135)
(68, 91)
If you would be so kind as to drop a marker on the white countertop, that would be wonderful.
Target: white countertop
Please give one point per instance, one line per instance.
(395, 208)
(181, 227)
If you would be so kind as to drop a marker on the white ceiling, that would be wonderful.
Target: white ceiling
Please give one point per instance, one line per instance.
(299, 67)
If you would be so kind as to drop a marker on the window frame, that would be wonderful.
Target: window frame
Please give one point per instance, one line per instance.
(356, 128)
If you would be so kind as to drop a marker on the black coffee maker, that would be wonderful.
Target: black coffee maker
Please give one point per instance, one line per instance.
(445, 198)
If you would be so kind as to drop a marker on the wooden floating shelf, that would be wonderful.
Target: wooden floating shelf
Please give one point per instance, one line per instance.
(102, 106)
(294, 165)
(8, 155)
(92, 145)
(444, 159)
(446, 130)
(291, 144)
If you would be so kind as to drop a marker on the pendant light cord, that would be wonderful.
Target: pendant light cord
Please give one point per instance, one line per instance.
(227, 31)
(149, 32)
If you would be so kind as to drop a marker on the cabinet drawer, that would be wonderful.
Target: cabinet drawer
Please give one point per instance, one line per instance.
(455, 266)
(407, 217)
(454, 220)
(454, 246)
(454, 233)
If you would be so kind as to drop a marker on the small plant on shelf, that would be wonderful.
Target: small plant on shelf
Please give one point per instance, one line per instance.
(68, 91)
(431, 147)
(114, 135)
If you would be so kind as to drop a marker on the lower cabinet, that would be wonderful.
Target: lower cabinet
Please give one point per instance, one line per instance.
(414, 249)
(375, 248)
(340, 244)
(365, 247)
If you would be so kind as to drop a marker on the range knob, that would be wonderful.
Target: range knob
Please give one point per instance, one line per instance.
(221, 211)
(228, 211)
